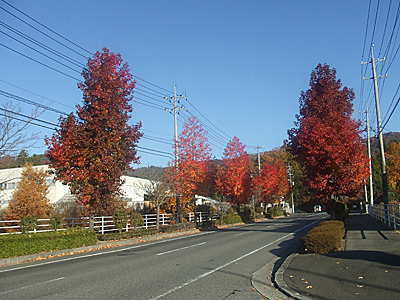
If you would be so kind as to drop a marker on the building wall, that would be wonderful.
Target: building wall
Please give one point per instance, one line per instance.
(133, 188)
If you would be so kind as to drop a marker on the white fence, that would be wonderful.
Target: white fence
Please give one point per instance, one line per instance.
(387, 213)
(100, 224)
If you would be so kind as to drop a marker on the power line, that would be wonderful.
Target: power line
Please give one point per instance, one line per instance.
(43, 64)
(45, 55)
(209, 121)
(156, 151)
(45, 34)
(43, 46)
(26, 116)
(30, 122)
(25, 90)
(49, 29)
(18, 98)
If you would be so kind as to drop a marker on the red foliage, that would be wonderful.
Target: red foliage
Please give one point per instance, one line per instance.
(326, 140)
(272, 182)
(90, 151)
(234, 176)
(191, 169)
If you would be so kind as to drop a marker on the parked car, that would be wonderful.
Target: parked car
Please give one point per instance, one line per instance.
(317, 208)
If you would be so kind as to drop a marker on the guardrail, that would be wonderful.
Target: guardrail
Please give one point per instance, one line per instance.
(100, 224)
(387, 213)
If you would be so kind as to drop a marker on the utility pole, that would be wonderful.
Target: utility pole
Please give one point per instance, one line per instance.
(379, 125)
(371, 189)
(175, 110)
(259, 171)
(258, 156)
(289, 171)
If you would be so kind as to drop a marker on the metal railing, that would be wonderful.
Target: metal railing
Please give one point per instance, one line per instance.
(387, 213)
(101, 224)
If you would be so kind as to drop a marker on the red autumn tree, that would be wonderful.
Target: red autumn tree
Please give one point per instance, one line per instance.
(234, 176)
(190, 170)
(92, 149)
(272, 183)
(326, 141)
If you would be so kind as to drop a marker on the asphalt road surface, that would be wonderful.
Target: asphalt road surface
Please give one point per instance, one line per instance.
(208, 265)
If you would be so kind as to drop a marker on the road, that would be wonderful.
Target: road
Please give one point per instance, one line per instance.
(208, 265)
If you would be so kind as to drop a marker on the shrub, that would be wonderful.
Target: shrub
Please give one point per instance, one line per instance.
(112, 236)
(177, 227)
(275, 211)
(325, 238)
(246, 213)
(23, 244)
(231, 219)
(56, 221)
(28, 223)
(136, 219)
(120, 219)
(259, 209)
(341, 211)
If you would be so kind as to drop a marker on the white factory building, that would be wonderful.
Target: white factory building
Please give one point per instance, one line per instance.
(133, 188)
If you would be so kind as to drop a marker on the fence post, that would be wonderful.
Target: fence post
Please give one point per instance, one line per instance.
(394, 216)
(72, 222)
(145, 218)
(91, 222)
(163, 219)
(102, 224)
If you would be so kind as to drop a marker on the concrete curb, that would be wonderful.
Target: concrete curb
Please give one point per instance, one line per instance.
(281, 284)
(262, 281)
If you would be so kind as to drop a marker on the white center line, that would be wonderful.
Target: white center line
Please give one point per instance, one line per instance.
(229, 263)
(28, 286)
(237, 234)
(106, 252)
(162, 253)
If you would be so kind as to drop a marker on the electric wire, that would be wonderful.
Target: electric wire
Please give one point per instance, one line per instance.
(22, 120)
(43, 46)
(43, 64)
(27, 101)
(41, 96)
(43, 33)
(45, 55)
(28, 117)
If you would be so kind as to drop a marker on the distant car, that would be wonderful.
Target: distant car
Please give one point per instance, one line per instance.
(317, 208)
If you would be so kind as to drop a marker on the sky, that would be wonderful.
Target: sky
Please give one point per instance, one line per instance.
(241, 64)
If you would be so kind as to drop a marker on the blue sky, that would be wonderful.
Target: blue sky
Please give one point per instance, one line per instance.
(241, 64)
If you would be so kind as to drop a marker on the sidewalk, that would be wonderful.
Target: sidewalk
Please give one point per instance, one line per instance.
(368, 268)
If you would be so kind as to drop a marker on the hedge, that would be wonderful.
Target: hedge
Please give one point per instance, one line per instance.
(325, 238)
(23, 244)
(231, 219)
(127, 235)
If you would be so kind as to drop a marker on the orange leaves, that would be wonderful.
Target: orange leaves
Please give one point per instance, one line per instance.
(234, 176)
(192, 165)
(30, 198)
(272, 181)
(393, 164)
(326, 140)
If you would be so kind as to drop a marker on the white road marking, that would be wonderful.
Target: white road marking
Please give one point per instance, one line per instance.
(107, 252)
(237, 234)
(162, 253)
(229, 263)
(28, 286)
